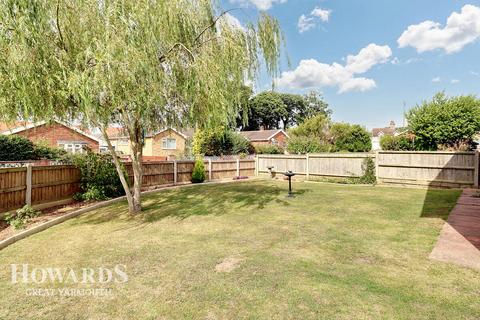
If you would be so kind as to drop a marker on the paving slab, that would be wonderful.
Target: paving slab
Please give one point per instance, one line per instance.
(459, 240)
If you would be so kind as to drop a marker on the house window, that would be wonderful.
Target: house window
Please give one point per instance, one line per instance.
(274, 141)
(123, 142)
(169, 143)
(72, 147)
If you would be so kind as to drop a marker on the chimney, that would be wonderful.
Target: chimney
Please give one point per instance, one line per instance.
(262, 128)
(392, 125)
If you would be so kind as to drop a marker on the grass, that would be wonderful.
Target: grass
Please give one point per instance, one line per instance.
(338, 252)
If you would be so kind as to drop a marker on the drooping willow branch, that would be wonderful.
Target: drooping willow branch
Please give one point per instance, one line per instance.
(58, 26)
(164, 56)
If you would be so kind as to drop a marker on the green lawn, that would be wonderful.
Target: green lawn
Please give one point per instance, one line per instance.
(332, 252)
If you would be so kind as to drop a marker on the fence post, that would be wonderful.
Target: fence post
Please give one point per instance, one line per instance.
(307, 166)
(28, 191)
(377, 162)
(256, 165)
(175, 172)
(477, 169)
(209, 169)
(238, 167)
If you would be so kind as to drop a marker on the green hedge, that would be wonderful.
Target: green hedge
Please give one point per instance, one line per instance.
(17, 148)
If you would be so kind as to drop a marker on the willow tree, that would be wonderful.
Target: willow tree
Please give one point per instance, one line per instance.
(140, 64)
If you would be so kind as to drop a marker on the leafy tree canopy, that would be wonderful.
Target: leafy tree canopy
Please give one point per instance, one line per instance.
(314, 104)
(445, 122)
(142, 64)
(266, 110)
(350, 137)
(274, 110)
(317, 126)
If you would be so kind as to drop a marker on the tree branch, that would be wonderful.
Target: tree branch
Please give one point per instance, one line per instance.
(58, 27)
(213, 23)
(163, 57)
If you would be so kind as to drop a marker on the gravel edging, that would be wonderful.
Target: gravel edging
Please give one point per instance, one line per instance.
(41, 227)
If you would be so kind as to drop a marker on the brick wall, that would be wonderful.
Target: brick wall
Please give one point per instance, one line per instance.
(279, 137)
(53, 133)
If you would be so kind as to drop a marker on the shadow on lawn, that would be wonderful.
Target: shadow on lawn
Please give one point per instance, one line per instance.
(442, 204)
(198, 200)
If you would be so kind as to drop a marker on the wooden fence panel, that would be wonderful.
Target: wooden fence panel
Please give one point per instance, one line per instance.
(443, 169)
(224, 169)
(325, 164)
(52, 183)
(282, 163)
(185, 169)
(247, 168)
(157, 173)
(12, 188)
(338, 164)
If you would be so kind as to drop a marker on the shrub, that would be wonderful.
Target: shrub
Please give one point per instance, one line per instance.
(44, 151)
(240, 144)
(303, 145)
(99, 177)
(198, 174)
(21, 217)
(369, 175)
(219, 142)
(16, 148)
(351, 138)
(269, 149)
(398, 143)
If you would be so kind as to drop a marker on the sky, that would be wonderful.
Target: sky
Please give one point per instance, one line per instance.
(373, 59)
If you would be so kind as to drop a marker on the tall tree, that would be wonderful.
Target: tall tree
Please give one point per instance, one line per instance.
(295, 106)
(266, 110)
(142, 64)
(314, 104)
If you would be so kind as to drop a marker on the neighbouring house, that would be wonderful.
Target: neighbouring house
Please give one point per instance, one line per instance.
(55, 134)
(391, 130)
(261, 138)
(166, 143)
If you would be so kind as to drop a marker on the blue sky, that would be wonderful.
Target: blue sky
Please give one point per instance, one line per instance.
(411, 50)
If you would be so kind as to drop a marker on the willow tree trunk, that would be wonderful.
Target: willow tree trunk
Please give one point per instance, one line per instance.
(137, 153)
(120, 172)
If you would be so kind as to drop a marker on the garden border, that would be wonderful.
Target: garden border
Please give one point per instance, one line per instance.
(48, 224)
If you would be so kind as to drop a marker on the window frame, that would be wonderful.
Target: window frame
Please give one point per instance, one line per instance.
(165, 143)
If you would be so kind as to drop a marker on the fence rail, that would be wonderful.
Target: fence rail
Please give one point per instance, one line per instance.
(440, 169)
(423, 168)
(36, 185)
(45, 184)
(325, 164)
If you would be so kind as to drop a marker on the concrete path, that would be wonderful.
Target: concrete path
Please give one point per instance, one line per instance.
(459, 240)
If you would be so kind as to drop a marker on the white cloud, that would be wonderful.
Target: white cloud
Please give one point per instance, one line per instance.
(395, 61)
(260, 4)
(311, 73)
(436, 79)
(307, 22)
(454, 81)
(233, 21)
(367, 58)
(473, 73)
(323, 14)
(461, 29)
